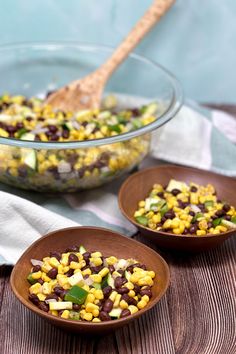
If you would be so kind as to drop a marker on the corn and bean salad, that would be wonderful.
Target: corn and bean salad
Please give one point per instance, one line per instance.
(185, 209)
(69, 169)
(86, 286)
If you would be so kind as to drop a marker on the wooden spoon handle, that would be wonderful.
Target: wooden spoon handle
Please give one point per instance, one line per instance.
(149, 19)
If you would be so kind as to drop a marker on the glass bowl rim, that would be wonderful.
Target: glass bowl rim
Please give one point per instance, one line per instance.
(172, 110)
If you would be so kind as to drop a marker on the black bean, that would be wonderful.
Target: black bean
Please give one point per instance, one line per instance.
(63, 294)
(193, 189)
(227, 217)
(122, 272)
(56, 254)
(73, 258)
(86, 276)
(180, 203)
(125, 313)
(41, 119)
(107, 291)
(52, 296)
(175, 191)
(69, 273)
(58, 290)
(29, 119)
(160, 194)
(132, 301)
(137, 288)
(135, 112)
(170, 214)
(108, 305)
(163, 219)
(220, 213)
(54, 137)
(96, 269)
(193, 229)
(104, 316)
(147, 292)
(123, 290)
(52, 273)
(85, 267)
(226, 207)
(72, 248)
(34, 299)
(65, 133)
(23, 171)
(191, 213)
(40, 281)
(43, 306)
(111, 268)
(11, 128)
(19, 125)
(52, 128)
(76, 307)
(119, 281)
(185, 232)
(86, 257)
(209, 224)
(36, 268)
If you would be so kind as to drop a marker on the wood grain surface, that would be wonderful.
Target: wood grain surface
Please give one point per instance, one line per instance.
(196, 316)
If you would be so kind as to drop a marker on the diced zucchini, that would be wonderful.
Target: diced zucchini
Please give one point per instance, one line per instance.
(209, 203)
(74, 316)
(62, 305)
(97, 286)
(28, 136)
(29, 158)
(115, 313)
(104, 282)
(136, 123)
(150, 109)
(110, 281)
(31, 280)
(164, 209)
(75, 279)
(82, 250)
(233, 219)
(68, 125)
(228, 224)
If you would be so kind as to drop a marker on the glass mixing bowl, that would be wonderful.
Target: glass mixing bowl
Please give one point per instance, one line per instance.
(33, 69)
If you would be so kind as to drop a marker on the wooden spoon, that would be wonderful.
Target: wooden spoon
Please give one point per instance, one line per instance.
(86, 93)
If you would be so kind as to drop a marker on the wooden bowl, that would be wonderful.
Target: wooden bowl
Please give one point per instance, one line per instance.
(138, 185)
(92, 238)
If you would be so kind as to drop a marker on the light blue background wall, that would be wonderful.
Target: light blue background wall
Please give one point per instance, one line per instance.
(196, 40)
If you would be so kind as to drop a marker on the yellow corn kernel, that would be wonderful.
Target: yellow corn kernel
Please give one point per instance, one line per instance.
(133, 309)
(215, 232)
(46, 288)
(187, 224)
(54, 262)
(35, 288)
(92, 291)
(181, 227)
(75, 265)
(96, 320)
(85, 287)
(129, 285)
(203, 225)
(82, 263)
(96, 261)
(117, 300)
(41, 296)
(141, 204)
(175, 223)
(64, 259)
(193, 198)
(88, 316)
(90, 299)
(37, 275)
(63, 281)
(131, 293)
(145, 281)
(82, 313)
(90, 307)
(65, 314)
(86, 272)
(201, 232)
(96, 254)
(104, 272)
(123, 304)
(183, 216)
(54, 312)
(167, 224)
(60, 269)
(113, 296)
(111, 260)
(46, 267)
(96, 278)
(151, 273)
(45, 277)
(98, 294)
(134, 278)
(95, 312)
(156, 218)
(221, 228)
(96, 301)
(141, 304)
(145, 298)
(77, 271)
(176, 231)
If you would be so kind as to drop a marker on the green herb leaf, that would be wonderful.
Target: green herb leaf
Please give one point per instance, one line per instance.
(196, 217)
(164, 209)
(137, 123)
(143, 220)
(31, 280)
(21, 132)
(121, 119)
(115, 128)
(217, 222)
(233, 219)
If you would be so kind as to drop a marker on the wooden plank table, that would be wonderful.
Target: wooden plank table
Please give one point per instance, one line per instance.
(196, 316)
